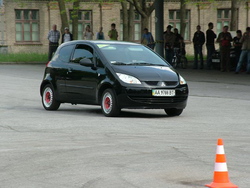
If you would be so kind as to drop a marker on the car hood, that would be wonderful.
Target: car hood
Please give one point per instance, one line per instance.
(148, 73)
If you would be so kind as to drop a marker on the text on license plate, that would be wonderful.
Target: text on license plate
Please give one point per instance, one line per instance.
(163, 92)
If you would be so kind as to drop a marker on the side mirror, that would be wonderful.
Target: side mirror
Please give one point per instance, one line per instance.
(86, 62)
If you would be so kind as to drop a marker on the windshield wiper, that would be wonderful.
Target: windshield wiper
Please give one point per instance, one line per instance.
(145, 63)
(118, 63)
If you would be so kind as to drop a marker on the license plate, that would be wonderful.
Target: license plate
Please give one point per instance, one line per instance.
(163, 92)
(215, 60)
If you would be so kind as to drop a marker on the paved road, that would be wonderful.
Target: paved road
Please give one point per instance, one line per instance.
(78, 147)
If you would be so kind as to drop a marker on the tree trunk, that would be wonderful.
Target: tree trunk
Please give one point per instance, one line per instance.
(75, 19)
(234, 15)
(125, 20)
(144, 23)
(183, 17)
(144, 10)
(63, 13)
(131, 16)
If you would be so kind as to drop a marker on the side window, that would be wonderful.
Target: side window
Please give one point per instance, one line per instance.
(65, 53)
(81, 52)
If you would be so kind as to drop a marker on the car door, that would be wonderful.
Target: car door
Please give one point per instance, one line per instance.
(82, 80)
(60, 69)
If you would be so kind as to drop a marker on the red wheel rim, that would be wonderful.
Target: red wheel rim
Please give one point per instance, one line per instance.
(47, 97)
(107, 103)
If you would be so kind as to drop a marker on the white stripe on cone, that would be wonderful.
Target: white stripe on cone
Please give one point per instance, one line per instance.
(220, 167)
(220, 150)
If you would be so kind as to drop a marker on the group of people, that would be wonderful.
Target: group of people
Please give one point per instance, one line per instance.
(54, 36)
(241, 44)
(171, 40)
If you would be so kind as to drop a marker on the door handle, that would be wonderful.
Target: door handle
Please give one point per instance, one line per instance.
(70, 70)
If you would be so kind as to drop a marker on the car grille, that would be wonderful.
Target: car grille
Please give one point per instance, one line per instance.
(167, 83)
(158, 100)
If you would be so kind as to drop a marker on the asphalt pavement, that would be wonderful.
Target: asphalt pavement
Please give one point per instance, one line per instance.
(77, 147)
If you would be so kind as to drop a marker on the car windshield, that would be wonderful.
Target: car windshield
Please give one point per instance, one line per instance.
(125, 54)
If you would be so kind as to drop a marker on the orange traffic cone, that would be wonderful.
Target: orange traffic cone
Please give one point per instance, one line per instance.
(221, 178)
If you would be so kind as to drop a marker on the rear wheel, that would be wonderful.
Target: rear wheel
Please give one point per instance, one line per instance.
(173, 112)
(110, 106)
(48, 98)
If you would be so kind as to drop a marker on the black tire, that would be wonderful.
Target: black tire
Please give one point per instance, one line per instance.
(109, 104)
(48, 98)
(173, 112)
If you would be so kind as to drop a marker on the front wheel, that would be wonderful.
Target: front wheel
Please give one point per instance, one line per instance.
(173, 112)
(48, 98)
(110, 106)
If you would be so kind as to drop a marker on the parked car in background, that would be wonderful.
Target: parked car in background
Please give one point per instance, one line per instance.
(114, 75)
(216, 59)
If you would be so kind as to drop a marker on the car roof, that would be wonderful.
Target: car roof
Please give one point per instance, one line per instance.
(95, 42)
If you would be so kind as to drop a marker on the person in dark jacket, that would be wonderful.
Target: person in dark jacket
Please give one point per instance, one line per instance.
(210, 37)
(225, 39)
(67, 36)
(198, 40)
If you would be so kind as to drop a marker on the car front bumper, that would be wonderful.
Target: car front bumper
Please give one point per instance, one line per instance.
(143, 98)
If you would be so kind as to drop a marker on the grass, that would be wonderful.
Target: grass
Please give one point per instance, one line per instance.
(24, 57)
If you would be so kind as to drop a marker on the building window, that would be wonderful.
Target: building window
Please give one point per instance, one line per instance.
(84, 19)
(223, 19)
(137, 26)
(174, 20)
(27, 25)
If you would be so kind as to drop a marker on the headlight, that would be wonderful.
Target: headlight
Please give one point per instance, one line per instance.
(128, 79)
(182, 80)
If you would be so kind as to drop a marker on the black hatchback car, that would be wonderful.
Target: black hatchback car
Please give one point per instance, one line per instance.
(114, 75)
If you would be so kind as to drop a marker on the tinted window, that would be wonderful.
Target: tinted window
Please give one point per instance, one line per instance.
(81, 52)
(65, 53)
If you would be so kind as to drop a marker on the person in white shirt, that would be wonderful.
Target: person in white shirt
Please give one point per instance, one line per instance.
(67, 36)
(88, 34)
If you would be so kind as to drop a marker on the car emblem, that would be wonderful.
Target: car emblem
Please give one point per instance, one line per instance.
(162, 84)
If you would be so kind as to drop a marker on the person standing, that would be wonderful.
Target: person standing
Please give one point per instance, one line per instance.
(88, 34)
(100, 34)
(177, 38)
(224, 39)
(237, 47)
(210, 37)
(53, 37)
(198, 40)
(67, 36)
(245, 51)
(148, 39)
(169, 40)
(113, 34)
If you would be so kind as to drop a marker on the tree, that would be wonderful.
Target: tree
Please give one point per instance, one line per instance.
(145, 10)
(234, 8)
(125, 20)
(128, 17)
(74, 15)
(182, 17)
(63, 14)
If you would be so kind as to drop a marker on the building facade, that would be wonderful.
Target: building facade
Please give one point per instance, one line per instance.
(24, 24)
